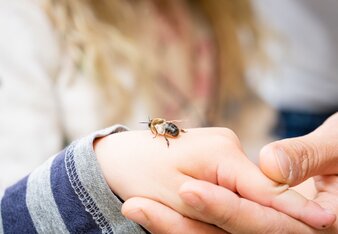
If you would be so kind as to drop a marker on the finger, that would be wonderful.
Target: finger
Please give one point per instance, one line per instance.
(324, 190)
(218, 205)
(294, 160)
(252, 184)
(158, 218)
(328, 184)
(328, 193)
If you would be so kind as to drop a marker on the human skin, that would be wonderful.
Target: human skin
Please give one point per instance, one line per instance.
(315, 154)
(135, 164)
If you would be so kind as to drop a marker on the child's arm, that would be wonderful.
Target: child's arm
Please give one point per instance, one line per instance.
(67, 194)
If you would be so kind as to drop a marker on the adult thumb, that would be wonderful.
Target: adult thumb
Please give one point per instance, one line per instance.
(294, 160)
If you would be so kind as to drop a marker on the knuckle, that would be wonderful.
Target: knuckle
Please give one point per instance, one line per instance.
(274, 227)
(227, 219)
(171, 229)
(226, 136)
(308, 158)
(180, 227)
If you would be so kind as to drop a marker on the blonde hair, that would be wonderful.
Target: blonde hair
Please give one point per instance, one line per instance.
(99, 35)
(228, 20)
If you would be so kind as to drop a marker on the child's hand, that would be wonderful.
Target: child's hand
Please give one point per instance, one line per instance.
(136, 164)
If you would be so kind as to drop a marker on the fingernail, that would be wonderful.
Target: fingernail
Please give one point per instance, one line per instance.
(193, 200)
(332, 217)
(284, 163)
(138, 216)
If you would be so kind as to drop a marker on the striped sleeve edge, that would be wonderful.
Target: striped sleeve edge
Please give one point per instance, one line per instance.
(83, 169)
(41, 203)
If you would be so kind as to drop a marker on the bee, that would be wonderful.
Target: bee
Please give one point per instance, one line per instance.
(164, 128)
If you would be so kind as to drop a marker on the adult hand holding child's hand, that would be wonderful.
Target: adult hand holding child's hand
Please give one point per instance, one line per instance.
(145, 168)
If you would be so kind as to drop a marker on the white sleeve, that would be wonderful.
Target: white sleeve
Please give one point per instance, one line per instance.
(29, 55)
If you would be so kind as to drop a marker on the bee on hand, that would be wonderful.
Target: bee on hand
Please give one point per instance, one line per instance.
(164, 128)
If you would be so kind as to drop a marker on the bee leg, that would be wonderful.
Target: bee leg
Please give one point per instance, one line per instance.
(167, 141)
(182, 130)
(153, 131)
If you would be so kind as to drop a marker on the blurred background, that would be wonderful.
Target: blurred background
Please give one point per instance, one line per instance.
(266, 69)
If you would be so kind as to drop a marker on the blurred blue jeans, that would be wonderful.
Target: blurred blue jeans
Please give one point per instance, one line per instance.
(293, 123)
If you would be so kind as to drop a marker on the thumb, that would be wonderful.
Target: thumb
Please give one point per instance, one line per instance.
(294, 160)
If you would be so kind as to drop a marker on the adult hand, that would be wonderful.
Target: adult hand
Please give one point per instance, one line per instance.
(293, 160)
(136, 165)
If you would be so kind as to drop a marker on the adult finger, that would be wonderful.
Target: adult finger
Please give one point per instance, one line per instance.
(158, 218)
(248, 181)
(294, 160)
(220, 206)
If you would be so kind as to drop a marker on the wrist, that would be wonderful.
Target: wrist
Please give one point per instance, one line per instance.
(103, 150)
